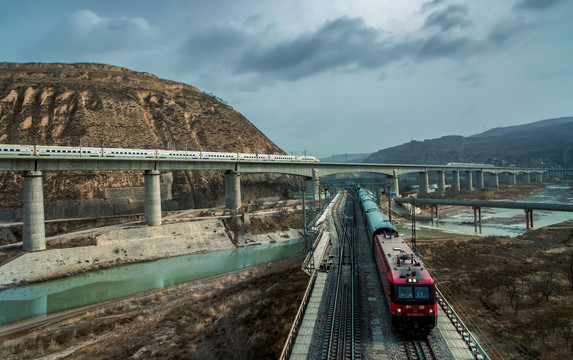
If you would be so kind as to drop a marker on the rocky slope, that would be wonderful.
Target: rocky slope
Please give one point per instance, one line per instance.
(103, 105)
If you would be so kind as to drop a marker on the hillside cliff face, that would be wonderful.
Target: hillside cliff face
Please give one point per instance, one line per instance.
(546, 144)
(107, 106)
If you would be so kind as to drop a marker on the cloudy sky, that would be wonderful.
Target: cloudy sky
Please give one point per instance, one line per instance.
(326, 76)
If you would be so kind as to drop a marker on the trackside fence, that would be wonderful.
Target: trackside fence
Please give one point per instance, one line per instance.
(298, 319)
(474, 346)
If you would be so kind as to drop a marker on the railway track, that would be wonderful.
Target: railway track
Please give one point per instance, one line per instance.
(418, 349)
(344, 333)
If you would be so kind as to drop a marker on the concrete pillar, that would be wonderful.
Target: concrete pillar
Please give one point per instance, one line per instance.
(395, 184)
(232, 190)
(441, 181)
(34, 230)
(539, 178)
(512, 178)
(423, 182)
(494, 180)
(316, 185)
(479, 179)
(456, 180)
(152, 191)
(469, 182)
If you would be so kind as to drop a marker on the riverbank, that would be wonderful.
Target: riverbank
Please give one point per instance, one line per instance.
(124, 244)
(243, 314)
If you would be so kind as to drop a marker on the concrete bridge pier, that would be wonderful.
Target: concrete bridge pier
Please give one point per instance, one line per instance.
(528, 219)
(152, 189)
(232, 190)
(479, 179)
(456, 180)
(469, 181)
(395, 184)
(424, 182)
(441, 182)
(538, 177)
(34, 230)
(315, 185)
(494, 180)
(512, 179)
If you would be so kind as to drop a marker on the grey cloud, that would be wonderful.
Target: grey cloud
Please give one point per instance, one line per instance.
(343, 42)
(505, 30)
(473, 79)
(215, 46)
(431, 4)
(536, 5)
(450, 17)
(84, 32)
(440, 46)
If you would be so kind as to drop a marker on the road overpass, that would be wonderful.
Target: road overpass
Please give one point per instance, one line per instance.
(33, 167)
(476, 205)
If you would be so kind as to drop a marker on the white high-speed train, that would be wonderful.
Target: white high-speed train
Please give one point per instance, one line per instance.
(76, 152)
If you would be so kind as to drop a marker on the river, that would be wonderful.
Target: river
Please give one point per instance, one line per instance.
(92, 287)
(500, 222)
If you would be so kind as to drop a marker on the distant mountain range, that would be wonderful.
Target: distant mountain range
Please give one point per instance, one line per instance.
(544, 143)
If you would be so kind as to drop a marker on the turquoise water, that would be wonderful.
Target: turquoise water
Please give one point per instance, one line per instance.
(97, 286)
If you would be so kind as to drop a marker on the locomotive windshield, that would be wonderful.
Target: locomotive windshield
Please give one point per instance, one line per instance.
(414, 292)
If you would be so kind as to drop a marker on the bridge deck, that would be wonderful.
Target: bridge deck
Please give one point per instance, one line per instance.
(492, 204)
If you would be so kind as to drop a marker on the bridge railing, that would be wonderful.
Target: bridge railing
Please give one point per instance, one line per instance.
(469, 339)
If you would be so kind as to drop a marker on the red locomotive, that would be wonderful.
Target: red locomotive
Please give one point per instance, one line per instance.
(409, 288)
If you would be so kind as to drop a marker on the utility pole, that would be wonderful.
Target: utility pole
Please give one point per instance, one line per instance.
(304, 215)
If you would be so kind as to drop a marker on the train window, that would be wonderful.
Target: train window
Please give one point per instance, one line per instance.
(405, 292)
(422, 292)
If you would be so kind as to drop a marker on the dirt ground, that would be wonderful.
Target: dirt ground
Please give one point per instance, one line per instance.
(515, 294)
(242, 315)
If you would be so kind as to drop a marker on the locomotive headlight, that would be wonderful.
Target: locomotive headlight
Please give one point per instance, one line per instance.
(431, 311)
(399, 312)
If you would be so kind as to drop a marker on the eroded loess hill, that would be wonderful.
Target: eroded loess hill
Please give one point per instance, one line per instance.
(103, 105)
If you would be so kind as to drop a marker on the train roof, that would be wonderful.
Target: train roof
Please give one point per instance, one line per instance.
(405, 266)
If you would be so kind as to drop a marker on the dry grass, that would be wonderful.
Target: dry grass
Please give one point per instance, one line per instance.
(516, 290)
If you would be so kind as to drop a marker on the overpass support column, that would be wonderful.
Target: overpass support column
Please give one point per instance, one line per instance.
(315, 185)
(152, 189)
(441, 181)
(456, 180)
(424, 182)
(469, 182)
(232, 190)
(34, 230)
(539, 178)
(479, 180)
(512, 179)
(395, 183)
(494, 180)
(527, 178)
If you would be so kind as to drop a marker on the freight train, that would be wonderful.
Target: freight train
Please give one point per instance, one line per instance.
(408, 287)
(77, 152)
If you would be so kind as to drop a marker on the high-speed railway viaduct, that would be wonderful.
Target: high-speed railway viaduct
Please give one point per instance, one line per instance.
(32, 168)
